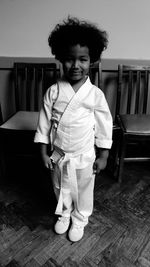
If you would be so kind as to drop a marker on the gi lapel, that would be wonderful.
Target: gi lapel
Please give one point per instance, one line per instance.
(74, 98)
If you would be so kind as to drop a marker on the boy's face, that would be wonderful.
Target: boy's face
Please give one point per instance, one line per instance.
(76, 63)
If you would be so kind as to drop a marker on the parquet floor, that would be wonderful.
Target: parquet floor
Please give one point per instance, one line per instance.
(118, 233)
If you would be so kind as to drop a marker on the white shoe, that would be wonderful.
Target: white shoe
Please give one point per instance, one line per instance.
(76, 232)
(62, 225)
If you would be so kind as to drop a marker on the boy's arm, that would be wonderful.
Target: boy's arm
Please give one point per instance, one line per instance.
(103, 132)
(42, 135)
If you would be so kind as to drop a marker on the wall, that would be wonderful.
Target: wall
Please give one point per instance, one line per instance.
(25, 25)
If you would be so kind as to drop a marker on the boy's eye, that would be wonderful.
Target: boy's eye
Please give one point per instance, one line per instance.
(69, 59)
(83, 59)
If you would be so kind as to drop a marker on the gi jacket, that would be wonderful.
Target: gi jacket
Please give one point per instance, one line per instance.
(75, 121)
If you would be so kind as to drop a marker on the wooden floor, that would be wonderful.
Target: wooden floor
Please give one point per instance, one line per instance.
(118, 233)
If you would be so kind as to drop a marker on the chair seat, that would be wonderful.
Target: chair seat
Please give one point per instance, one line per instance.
(22, 120)
(115, 126)
(21, 126)
(136, 124)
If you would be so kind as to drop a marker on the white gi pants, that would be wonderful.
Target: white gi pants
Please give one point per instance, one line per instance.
(74, 195)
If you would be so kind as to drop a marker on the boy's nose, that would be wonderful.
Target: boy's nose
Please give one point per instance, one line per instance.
(75, 63)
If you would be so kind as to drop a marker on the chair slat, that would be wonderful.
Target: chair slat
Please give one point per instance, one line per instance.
(28, 88)
(16, 89)
(146, 87)
(138, 86)
(42, 78)
(35, 79)
(100, 85)
(95, 74)
(120, 80)
(130, 90)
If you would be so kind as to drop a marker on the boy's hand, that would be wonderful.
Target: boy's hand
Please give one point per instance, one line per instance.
(99, 164)
(47, 162)
(101, 161)
(45, 158)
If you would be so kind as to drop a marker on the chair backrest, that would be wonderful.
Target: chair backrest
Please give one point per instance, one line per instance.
(95, 74)
(33, 79)
(31, 82)
(133, 89)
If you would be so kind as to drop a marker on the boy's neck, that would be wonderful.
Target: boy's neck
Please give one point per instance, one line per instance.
(76, 85)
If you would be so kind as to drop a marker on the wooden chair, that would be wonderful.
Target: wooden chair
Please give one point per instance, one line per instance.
(132, 113)
(30, 83)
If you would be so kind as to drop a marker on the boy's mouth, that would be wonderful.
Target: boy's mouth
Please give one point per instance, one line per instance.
(74, 72)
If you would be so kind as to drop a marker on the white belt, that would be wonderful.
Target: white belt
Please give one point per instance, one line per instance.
(71, 170)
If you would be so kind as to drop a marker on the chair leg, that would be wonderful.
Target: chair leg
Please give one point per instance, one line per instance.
(2, 159)
(122, 153)
(117, 140)
(2, 167)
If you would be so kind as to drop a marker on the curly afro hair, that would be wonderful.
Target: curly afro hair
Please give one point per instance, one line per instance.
(73, 31)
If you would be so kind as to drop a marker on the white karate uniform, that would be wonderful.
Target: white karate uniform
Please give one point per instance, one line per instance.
(73, 122)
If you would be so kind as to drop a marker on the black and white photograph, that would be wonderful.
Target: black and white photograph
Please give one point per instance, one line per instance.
(74, 133)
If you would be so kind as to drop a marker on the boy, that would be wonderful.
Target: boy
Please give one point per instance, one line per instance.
(73, 119)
